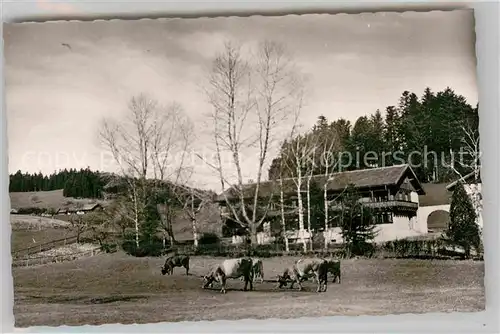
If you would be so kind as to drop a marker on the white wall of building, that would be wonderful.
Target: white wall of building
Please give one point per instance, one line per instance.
(401, 227)
(423, 213)
(414, 197)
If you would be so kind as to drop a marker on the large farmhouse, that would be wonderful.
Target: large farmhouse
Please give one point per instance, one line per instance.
(392, 192)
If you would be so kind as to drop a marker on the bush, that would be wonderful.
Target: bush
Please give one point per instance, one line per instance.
(152, 246)
(209, 239)
(366, 249)
(109, 248)
(31, 210)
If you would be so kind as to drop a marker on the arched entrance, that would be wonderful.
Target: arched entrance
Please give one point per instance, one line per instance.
(438, 221)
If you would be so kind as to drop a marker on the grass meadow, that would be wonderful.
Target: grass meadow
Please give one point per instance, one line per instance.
(117, 288)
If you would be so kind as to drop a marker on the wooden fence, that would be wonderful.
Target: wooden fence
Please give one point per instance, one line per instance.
(43, 247)
(40, 260)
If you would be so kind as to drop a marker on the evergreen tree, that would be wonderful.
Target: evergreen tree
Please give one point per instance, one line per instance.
(356, 223)
(317, 206)
(463, 230)
(151, 220)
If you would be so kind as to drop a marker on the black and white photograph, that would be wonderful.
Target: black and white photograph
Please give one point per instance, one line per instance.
(228, 168)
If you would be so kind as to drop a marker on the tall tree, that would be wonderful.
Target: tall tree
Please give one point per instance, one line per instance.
(299, 155)
(260, 94)
(141, 146)
(356, 222)
(393, 143)
(463, 230)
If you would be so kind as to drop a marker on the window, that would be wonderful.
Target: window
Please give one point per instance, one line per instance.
(383, 218)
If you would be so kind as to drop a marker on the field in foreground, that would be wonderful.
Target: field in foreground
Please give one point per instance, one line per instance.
(116, 288)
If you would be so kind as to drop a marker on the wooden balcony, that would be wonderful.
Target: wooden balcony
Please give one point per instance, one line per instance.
(391, 205)
(405, 205)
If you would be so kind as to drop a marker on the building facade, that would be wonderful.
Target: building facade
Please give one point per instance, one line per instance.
(434, 206)
(391, 192)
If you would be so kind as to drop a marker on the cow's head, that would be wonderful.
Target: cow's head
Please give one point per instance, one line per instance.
(283, 279)
(208, 280)
(167, 268)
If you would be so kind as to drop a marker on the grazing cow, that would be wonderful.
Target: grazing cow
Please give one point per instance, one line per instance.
(334, 268)
(175, 261)
(231, 268)
(303, 269)
(258, 270)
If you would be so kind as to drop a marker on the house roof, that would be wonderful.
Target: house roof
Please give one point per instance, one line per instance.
(85, 207)
(91, 206)
(464, 178)
(435, 194)
(365, 178)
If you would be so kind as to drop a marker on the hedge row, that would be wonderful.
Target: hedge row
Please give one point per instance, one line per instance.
(416, 249)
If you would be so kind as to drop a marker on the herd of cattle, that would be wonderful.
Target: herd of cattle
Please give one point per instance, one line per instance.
(249, 269)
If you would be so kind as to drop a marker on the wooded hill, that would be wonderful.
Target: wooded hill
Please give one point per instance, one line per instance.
(442, 122)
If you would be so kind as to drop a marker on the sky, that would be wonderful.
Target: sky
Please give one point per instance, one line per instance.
(62, 78)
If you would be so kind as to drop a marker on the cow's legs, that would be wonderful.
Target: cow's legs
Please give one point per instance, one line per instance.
(248, 279)
(318, 289)
(300, 284)
(223, 284)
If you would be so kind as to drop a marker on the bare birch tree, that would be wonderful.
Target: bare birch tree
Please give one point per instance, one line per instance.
(310, 168)
(143, 145)
(298, 153)
(330, 145)
(259, 95)
(471, 164)
(282, 206)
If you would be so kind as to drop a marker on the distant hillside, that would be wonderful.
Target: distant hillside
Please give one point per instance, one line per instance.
(53, 199)
(208, 219)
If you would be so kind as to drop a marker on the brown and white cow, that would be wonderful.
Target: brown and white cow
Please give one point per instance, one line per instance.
(231, 268)
(302, 270)
(333, 268)
(175, 261)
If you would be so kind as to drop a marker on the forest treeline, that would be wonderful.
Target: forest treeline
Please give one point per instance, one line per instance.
(428, 132)
(83, 183)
